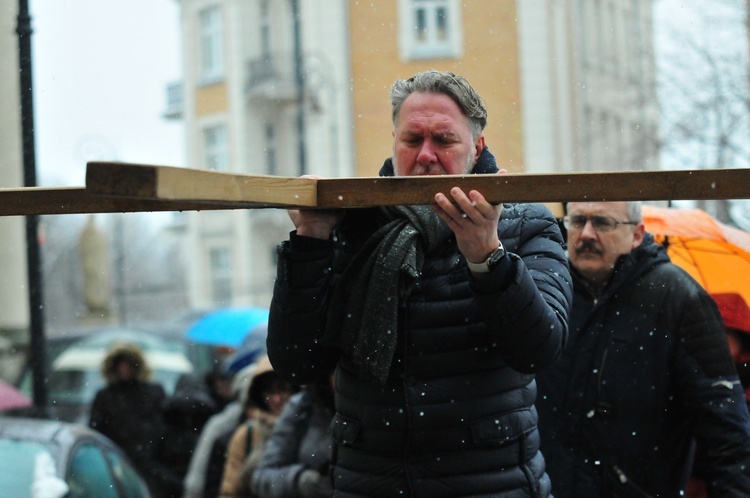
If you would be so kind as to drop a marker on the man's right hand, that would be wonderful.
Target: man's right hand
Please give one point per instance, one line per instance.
(315, 223)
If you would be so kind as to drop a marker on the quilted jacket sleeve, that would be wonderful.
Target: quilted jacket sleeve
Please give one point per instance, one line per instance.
(526, 308)
(298, 308)
(712, 396)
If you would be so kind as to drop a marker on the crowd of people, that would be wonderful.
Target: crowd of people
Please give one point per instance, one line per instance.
(466, 348)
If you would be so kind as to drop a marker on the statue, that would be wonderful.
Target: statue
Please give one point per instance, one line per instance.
(95, 263)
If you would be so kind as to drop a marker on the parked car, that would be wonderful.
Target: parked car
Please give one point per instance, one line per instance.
(63, 459)
(75, 375)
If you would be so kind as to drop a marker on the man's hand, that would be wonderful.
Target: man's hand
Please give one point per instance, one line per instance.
(316, 223)
(473, 220)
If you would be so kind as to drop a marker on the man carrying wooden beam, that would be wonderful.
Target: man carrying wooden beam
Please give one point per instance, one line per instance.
(437, 317)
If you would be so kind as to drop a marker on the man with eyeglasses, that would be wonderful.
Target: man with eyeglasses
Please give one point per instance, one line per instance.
(646, 373)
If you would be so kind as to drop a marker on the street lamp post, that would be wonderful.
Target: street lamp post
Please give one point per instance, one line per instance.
(37, 348)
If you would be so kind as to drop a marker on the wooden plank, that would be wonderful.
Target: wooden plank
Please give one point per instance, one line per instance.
(198, 185)
(171, 183)
(554, 187)
(77, 200)
(120, 187)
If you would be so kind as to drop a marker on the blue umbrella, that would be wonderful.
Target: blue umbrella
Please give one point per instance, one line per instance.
(226, 327)
(252, 347)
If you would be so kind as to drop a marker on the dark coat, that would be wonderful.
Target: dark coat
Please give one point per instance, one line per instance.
(456, 415)
(129, 413)
(184, 415)
(301, 440)
(647, 367)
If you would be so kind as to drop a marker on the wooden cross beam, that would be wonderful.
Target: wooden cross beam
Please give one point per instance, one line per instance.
(122, 187)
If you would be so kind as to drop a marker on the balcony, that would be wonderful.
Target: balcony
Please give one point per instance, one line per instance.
(175, 101)
(271, 79)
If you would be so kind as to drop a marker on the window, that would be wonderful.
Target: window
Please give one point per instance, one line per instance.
(211, 47)
(430, 29)
(265, 29)
(89, 474)
(221, 275)
(215, 147)
(130, 482)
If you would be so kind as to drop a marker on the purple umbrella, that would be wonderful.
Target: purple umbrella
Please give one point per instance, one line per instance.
(10, 397)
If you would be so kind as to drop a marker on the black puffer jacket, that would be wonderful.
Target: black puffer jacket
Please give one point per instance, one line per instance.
(456, 416)
(646, 369)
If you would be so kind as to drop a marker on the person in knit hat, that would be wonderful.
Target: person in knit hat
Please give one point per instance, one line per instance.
(268, 393)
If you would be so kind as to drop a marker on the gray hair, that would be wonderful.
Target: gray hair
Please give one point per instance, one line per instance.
(635, 209)
(442, 82)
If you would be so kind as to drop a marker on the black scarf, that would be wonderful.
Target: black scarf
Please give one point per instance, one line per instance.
(363, 311)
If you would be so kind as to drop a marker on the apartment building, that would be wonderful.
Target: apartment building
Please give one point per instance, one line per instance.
(588, 85)
(290, 87)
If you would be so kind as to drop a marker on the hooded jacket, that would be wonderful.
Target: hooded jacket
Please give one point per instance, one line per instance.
(455, 416)
(647, 368)
(246, 449)
(129, 411)
(301, 441)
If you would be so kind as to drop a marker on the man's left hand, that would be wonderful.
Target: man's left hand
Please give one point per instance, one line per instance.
(472, 219)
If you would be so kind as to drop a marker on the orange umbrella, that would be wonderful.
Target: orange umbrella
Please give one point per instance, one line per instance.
(715, 254)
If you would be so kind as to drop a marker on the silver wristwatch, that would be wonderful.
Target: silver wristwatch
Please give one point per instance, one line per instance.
(491, 262)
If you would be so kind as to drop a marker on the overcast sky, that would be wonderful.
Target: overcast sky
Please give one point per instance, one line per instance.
(101, 68)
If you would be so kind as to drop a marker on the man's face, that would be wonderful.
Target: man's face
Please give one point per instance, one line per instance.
(432, 137)
(594, 253)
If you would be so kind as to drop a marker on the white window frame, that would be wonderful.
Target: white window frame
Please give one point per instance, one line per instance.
(216, 147)
(211, 44)
(220, 275)
(429, 43)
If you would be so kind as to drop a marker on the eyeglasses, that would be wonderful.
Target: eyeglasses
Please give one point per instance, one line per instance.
(600, 223)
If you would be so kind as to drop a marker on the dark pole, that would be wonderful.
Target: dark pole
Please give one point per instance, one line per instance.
(37, 346)
(300, 84)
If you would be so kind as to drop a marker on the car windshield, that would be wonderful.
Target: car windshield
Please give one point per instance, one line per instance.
(19, 461)
(80, 386)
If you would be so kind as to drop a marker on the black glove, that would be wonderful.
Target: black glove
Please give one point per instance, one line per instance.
(311, 484)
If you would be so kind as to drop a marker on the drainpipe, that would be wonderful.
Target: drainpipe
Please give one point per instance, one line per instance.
(300, 86)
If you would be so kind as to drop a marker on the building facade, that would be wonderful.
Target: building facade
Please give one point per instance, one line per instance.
(290, 87)
(588, 85)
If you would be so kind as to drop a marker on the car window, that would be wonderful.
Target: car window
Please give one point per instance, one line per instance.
(17, 469)
(89, 475)
(130, 482)
(70, 386)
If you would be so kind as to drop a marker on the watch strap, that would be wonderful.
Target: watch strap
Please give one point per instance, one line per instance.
(487, 265)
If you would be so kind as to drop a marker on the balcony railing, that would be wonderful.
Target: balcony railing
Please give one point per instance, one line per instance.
(271, 78)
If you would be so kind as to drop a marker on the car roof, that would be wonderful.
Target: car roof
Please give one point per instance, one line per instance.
(76, 358)
(51, 433)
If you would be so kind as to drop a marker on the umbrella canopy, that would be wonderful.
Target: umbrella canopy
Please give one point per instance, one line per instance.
(10, 397)
(715, 254)
(253, 347)
(226, 327)
(734, 311)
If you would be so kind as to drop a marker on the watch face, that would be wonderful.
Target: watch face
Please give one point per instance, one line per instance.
(496, 257)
